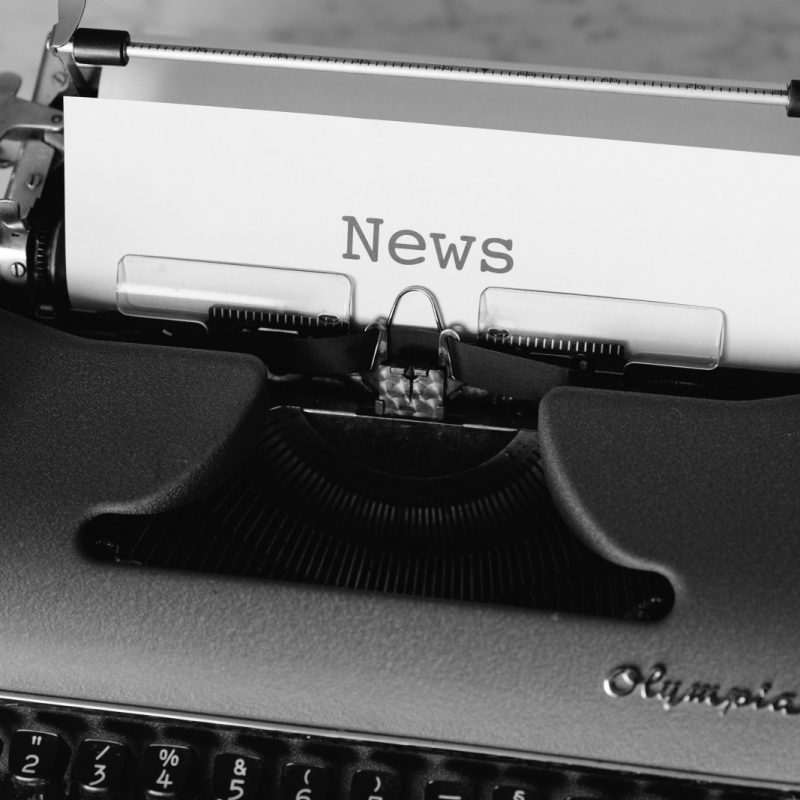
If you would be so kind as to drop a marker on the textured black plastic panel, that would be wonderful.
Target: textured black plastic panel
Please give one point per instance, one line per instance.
(700, 491)
(93, 426)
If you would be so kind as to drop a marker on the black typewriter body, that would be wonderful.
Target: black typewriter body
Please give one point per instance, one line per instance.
(218, 581)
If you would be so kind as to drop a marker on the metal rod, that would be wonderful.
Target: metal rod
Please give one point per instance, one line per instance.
(769, 95)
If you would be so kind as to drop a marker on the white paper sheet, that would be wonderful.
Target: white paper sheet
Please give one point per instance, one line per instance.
(624, 219)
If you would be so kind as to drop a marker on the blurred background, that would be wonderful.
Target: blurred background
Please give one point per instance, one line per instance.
(745, 39)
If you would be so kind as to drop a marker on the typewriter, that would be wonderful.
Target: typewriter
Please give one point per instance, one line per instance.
(261, 540)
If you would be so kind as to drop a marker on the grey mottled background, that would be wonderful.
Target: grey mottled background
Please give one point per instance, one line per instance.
(746, 39)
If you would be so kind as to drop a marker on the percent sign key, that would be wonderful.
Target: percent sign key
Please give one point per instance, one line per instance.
(167, 771)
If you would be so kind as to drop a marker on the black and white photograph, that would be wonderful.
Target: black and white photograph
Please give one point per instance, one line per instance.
(399, 400)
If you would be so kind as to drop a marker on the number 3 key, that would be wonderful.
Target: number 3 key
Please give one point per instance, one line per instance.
(101, 768)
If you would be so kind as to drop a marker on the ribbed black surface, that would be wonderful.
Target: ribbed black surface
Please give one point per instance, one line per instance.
(389, 506)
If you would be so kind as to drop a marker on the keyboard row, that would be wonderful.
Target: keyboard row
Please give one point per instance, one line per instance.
(61, 751)
(38, 762)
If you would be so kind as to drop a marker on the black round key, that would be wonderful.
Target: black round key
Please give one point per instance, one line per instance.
(515, 792)
(305, 782)
(37, 758)
(370, 785)
(100, 767)
(447, 790)
(236, 777)
(167, 771)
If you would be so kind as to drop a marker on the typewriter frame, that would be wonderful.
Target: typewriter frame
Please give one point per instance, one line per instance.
(486, 679)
